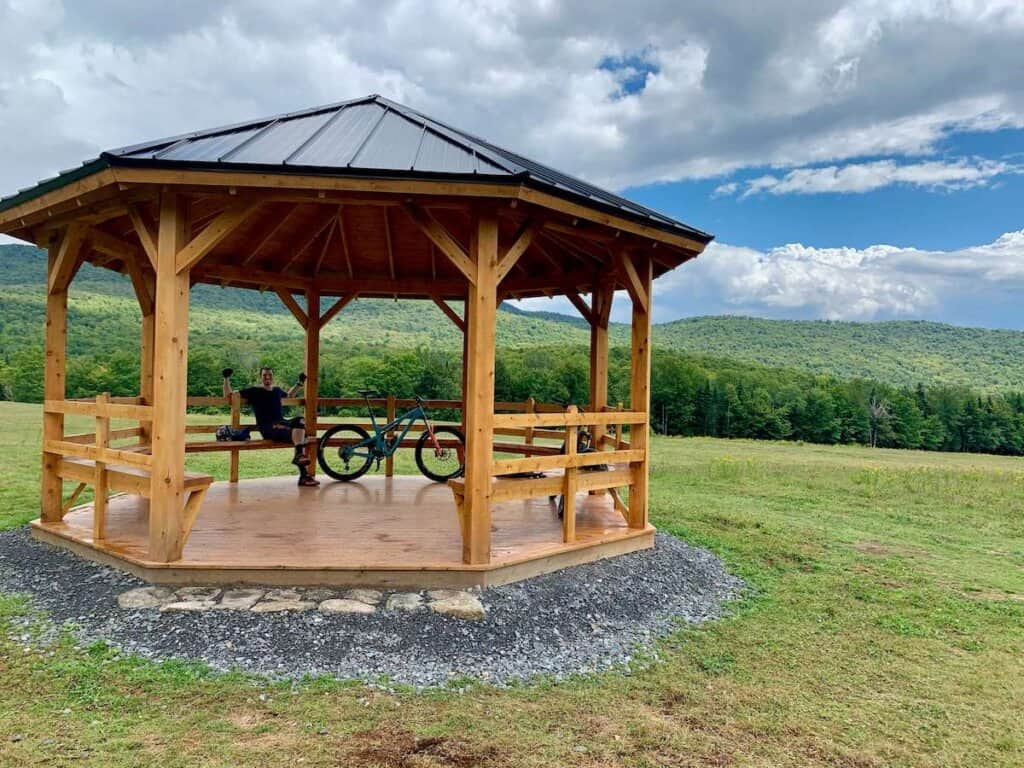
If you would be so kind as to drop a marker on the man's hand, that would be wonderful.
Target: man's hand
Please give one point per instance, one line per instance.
(227, 373)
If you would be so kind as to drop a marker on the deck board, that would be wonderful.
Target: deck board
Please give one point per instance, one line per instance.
(378, 524)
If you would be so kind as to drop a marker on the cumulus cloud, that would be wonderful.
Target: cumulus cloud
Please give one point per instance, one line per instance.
(878, 282)
(615, 93)
(867, 177)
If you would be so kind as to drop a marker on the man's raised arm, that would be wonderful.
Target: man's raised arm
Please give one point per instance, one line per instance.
(297, 385)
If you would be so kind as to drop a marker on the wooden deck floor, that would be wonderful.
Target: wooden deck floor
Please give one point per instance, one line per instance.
(399, 531)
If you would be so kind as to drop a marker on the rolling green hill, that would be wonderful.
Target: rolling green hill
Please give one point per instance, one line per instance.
(104, 315)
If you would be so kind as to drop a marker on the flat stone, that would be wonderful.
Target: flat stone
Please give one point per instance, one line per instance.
(368, 596)
(405, 601)
(189, 605)
(283, 594)
(276, 606)
(345, 606)
(461, 605)
(444, 594)
(319, 595)
(198, 593)
(240, 599)
(146, 597)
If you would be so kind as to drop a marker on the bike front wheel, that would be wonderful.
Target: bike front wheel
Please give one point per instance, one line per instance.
(344, 452)
(446, 461)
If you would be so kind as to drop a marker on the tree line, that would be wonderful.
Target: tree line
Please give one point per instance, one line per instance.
(690, 395)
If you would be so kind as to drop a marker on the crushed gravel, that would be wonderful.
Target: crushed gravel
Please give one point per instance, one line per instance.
(576, 621)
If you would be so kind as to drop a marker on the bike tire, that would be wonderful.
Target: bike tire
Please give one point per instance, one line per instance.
(343, 470)
(425, 449)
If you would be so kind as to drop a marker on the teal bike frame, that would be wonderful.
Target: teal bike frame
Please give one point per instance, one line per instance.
(378, 446)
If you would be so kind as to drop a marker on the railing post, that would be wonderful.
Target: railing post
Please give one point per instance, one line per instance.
(99, 503)
(389, 462)
(569, 485)
(531, 407)
(236, 423)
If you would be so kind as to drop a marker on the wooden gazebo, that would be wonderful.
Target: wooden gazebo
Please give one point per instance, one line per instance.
(366, 198)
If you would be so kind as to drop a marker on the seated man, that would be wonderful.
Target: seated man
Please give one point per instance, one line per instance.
(270, 421)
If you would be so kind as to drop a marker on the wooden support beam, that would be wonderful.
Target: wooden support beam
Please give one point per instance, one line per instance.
(343, 238)
(73, 497)
(600, 310)
(479, 394)
(213, 234)
(452, 315)
(387, 243)
(581, 306)
(54, 377)
(520, 243)
(145, 232)
(147, 350)
(269, 236)
(141, 283)
(443, 239)
(323, 251)
(640, 393)
(312, 387)
(293, 306)
(638, 288)
(339, 305)
(315, 231)
(168, 517)
(70, 255)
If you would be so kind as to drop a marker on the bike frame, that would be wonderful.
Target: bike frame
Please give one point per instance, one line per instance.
(378, 444)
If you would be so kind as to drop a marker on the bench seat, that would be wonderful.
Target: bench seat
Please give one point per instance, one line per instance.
(122, 478)
(552, 484)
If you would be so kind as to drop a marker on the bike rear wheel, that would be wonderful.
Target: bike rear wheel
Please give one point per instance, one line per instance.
(447, 462)
(344, 452)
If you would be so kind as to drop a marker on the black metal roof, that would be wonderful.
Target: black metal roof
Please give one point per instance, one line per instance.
(371, 136)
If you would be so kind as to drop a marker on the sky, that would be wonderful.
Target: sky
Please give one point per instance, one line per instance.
(855, 159)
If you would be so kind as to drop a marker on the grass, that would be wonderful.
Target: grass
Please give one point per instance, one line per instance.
(885, 628)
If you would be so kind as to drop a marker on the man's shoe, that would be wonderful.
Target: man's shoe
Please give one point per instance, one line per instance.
(308, 481)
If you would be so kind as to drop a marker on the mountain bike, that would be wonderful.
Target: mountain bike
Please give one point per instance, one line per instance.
(346, 451)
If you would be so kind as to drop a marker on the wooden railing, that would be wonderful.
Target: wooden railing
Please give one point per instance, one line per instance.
(96, 446)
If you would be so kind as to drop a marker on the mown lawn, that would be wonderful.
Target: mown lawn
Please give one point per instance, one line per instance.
(886, 629)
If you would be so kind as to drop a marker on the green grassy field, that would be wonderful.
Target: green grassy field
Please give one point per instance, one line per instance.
(885, 628)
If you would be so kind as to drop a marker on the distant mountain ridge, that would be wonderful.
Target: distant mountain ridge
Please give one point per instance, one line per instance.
(903, 352)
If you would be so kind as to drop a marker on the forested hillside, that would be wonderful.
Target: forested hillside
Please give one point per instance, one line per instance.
(410, 348)
(905, 353)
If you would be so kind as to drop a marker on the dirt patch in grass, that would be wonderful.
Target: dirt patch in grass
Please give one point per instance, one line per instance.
(401, 749)
(878, 549)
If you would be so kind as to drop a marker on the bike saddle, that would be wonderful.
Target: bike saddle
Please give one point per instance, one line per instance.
(369, 393)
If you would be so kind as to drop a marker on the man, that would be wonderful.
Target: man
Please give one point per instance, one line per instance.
(268, 409)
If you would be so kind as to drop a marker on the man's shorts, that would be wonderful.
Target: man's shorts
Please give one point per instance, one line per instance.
(282, 433)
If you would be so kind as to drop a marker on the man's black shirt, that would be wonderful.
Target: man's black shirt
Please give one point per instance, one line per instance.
(266, 405)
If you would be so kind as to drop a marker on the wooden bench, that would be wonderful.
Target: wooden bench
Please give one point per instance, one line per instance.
(129, 479)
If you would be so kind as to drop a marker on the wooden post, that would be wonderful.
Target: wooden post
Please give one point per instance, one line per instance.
(465, 360)
(389, 415)
(601, 307)
(236, 423)
(482, 305)
(146, 352)
(99, 503)
(170, 381)
(312, 388)
(54, 370)
(531, 407)
(640, 391)
(569, 486)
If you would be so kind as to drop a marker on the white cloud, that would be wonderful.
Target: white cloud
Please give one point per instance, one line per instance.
(878, 282)
(866, 177)
(791, 85)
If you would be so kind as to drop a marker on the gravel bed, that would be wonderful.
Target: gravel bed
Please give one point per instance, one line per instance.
(579, 620)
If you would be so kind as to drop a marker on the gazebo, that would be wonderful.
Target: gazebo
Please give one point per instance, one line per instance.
(365, 198)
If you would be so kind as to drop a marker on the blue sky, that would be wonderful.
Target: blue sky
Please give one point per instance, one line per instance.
(856, 159)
